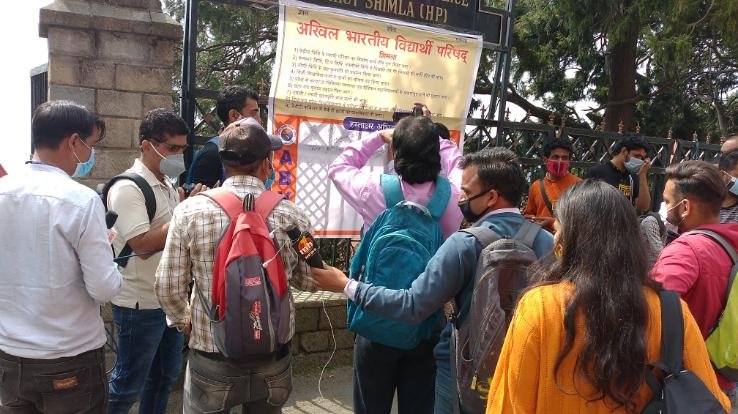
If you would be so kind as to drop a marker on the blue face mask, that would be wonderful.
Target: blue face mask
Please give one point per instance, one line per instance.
(634, 165)
(270, 180)
(84, 168)
(733, 186)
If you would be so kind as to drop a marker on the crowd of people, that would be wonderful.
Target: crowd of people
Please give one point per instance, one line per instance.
(462, 299)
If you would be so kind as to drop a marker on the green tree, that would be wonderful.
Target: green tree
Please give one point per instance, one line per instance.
(235, 45)
(663, 63)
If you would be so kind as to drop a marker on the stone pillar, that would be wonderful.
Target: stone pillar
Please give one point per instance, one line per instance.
(115, 57)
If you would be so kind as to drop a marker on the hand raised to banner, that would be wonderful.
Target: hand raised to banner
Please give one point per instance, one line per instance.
(387, 134)
(424, 109)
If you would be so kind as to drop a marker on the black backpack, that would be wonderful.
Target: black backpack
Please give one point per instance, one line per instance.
(679, 391)
(149, 199)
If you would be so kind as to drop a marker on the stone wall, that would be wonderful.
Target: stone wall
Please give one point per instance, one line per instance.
(115, 57)
(312, 344)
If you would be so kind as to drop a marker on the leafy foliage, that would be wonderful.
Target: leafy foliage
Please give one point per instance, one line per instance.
(685, 59)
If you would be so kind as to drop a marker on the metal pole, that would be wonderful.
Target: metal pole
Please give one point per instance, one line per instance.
(189, 58)
(506, 72)
(496, 85)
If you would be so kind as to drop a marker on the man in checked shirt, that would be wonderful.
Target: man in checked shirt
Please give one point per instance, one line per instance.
(213, 383)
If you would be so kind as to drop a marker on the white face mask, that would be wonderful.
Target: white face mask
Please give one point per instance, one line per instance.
(663, 212)
(171, 165)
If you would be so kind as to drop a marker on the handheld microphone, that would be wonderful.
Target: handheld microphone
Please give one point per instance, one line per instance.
(110, 218)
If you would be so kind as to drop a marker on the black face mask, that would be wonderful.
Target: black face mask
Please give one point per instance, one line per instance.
(466, 210)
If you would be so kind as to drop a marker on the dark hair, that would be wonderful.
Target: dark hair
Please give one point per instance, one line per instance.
(699, 181)
(557, 143)
(630, 142)
(54, 121)
(238, 145)
(417, 150)
(499, 168)
(603, 257)
(728, 160)
(160, 122)
(233, 97)
(442, 130)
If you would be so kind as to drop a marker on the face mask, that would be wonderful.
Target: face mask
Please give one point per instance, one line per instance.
(733, 186)
(84, 168)
(674, 221)
(466, 210)
(633, 165)
(171, 165)
(270, 180)
(557, 168)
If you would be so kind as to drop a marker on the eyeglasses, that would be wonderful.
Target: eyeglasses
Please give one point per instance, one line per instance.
(172, 147)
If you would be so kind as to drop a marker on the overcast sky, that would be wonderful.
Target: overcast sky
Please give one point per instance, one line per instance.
(22, 49)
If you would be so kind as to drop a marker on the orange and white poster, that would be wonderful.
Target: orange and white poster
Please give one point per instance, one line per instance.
(339, 76)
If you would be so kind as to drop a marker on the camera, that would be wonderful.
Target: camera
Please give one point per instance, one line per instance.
(417, 111)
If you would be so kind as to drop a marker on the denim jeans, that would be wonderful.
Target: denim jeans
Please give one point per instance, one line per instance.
(149, 361)
(214, 384)
(447, 394)
(380, 370)
(53, 386)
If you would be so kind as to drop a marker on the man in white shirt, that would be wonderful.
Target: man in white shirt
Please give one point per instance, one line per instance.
(57, 269)
(149, 358)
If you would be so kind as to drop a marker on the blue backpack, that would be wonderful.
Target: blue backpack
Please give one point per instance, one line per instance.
(393, 253)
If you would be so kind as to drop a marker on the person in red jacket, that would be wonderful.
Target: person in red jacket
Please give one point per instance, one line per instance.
(694, 265)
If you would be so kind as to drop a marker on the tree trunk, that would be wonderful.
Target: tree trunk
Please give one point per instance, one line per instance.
(622, 81)
(720, 113)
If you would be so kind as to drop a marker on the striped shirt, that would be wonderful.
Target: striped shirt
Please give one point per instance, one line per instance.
(189, 254)
(729, 214)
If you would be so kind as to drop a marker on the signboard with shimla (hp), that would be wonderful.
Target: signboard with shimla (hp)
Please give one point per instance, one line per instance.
(338, 76)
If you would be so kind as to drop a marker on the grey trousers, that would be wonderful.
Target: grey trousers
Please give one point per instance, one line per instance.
(215, 385)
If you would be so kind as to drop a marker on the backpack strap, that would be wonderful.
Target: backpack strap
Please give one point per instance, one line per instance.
(266, 202)
(731, 277)
(672, 332)
(209, 311)
(149, 201)
(672, 340)
(439, 201)
(227, 200)
(662, 226)
(484, 235)
(720, 240)
(391, 189)
(527, 233)
(546, 200)
(141, 183)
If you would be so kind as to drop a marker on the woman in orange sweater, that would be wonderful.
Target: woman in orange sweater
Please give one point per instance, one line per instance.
(579, 342)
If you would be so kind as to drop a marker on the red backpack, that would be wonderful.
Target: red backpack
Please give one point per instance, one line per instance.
(250, 311)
